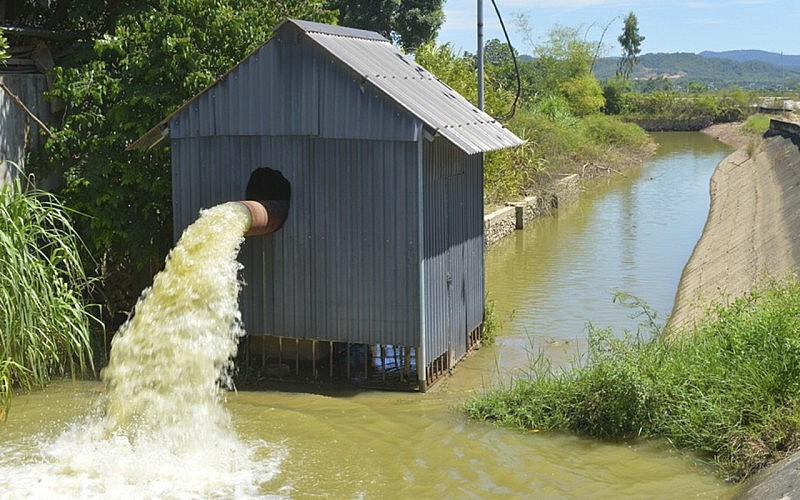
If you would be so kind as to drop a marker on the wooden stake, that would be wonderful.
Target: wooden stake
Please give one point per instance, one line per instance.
(24, 108)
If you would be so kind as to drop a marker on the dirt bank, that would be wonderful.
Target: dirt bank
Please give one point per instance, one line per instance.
(729, 133)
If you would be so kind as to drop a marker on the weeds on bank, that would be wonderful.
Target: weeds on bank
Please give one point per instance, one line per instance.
(491, 323)
(730, 391)
(558, 143)
(44, 326)
(756, 124)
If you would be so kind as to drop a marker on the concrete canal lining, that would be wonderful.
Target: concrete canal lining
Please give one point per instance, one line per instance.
(752, 232)
(753, 226)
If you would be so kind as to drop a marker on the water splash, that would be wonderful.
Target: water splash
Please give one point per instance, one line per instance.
(162, 428)
(167, 360)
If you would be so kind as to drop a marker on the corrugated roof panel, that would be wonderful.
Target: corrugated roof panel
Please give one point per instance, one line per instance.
(329, 29)
(418, 91)
(374, 59)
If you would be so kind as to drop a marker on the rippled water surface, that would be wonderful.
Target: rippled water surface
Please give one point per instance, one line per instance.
(631, 234)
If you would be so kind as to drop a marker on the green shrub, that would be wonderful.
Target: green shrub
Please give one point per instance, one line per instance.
(44, 325)
(730, 391)
(609, 130)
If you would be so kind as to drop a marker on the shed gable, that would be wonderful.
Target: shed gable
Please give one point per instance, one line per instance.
(313, 79)
(291, 86)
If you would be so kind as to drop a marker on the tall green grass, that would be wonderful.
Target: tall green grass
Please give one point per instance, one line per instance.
(44, 325)
(756, 124)
(730, 391)
(559, 143)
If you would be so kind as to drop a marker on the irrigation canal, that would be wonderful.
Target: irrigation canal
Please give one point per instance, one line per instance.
(632, 234)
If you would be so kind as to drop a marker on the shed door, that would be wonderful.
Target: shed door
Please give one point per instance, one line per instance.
(456, 263)
(447, 215)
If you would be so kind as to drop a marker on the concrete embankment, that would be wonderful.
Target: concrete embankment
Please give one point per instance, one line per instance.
(752, 232)
(515, 215)
(753, 225)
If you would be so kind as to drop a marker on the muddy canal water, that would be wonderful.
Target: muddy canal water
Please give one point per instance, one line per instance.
(633, 234)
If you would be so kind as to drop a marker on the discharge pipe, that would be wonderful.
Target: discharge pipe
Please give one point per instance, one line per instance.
(267, 201)
(266, 216)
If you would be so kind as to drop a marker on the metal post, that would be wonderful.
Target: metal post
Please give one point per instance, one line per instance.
(480, 55)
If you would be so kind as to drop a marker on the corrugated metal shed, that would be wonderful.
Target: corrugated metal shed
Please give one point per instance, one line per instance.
(383, 245)
(413, 87)
(400, 79)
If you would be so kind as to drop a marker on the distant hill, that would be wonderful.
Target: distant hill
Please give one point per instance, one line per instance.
(787, 61)
(749, 69)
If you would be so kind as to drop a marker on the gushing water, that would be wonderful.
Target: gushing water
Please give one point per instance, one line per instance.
(161, 429)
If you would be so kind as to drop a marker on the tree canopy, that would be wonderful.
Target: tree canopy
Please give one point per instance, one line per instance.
(409, 23)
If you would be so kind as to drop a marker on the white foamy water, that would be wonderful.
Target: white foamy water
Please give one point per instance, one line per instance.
(161, 430)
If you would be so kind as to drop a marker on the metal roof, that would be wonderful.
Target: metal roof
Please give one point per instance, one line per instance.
(398, 77)
(414, 88)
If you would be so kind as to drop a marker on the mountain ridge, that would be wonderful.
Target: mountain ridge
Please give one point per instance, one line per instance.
(744, 68)
(786, 60)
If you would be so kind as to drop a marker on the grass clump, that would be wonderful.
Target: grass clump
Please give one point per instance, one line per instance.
(756, 124)
(730, 391)
(44, 325)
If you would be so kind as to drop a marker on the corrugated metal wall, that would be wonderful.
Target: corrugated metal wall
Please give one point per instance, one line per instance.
(346, 264)
(19, 134)
(291, 87)
(453, 256)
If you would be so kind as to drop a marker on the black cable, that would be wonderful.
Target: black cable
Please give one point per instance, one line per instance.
(516, 67)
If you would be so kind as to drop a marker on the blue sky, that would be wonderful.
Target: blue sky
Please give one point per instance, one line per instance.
(667, 25)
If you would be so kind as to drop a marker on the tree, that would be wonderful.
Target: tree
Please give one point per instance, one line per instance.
(497, 53)
(564, 66)
(409, 23)
(158, 55)
(460, 73)
(631, 43)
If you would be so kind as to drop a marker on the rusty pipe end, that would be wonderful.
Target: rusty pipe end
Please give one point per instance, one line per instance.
(265, 216)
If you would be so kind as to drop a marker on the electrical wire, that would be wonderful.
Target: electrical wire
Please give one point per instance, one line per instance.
(516, 66)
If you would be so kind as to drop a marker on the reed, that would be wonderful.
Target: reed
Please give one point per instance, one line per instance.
(44, 324)
(730, 391)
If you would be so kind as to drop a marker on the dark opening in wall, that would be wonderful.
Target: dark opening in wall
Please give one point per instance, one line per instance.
(268, 184)
(272, 190)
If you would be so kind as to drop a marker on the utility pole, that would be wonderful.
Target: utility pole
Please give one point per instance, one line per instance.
(480, 55)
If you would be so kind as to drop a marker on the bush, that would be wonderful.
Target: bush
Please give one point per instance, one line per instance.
(44, 325)
(608, 130)
(730, 391)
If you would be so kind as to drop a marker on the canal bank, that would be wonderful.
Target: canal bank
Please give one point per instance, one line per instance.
(502, 222)
(752, 232)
